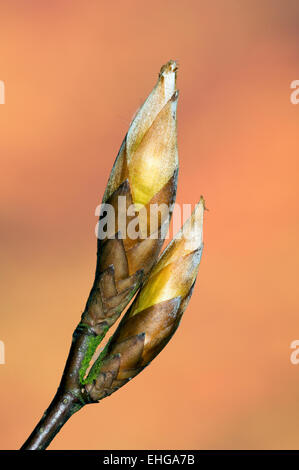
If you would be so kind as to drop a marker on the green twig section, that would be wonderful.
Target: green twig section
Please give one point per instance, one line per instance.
(95, 369)
(93, 343)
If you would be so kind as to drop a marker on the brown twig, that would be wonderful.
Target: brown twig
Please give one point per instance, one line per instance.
(122, 262)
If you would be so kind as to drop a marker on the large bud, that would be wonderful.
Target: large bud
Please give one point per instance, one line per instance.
(144, 174)
(155, 313)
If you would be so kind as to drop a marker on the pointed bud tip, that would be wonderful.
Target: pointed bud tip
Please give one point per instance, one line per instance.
(167, 79)
(199, 209)
(192, 230)
(203, 202)
(169, 67)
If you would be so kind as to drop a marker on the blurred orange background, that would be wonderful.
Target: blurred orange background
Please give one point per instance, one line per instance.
(75, 72)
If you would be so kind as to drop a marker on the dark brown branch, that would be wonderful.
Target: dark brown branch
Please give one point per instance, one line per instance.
(60, 410)
(71, 396)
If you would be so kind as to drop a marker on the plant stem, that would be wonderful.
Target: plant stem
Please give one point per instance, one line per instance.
(59, 411)
(71, 395)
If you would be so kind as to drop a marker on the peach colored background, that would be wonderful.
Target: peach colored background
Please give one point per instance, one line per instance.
(75, 72)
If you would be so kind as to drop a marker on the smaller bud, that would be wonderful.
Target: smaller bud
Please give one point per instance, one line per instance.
(176, 270)
(157, 310)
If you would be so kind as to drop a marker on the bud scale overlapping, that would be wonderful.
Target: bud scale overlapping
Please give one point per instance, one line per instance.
(155, 313)
(144, 173)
